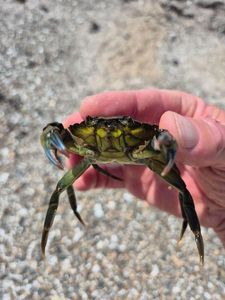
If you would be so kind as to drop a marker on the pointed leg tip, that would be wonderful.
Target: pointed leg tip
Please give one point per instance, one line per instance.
(179, 242)
(82, 222)
(79, 218)
(201, 261)
(200, 246)
(43, 254)
(181, 238)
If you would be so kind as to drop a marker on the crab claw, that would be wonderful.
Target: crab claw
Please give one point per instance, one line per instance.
(166, 143)
(52, 143)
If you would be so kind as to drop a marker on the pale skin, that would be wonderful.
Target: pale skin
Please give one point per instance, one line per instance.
(199, 129)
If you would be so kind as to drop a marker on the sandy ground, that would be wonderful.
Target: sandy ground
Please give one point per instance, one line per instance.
(52, 55)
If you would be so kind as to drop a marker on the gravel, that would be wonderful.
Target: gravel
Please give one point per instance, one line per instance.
(52, 55)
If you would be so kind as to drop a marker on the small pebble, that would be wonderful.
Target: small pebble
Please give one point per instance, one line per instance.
(66, 265)
(52, 260)
(4, 177)
(98, 211)
(111, 205)
(6, 297)
(128, 197)
(176, 289)
(4, 152)
(155, 270)
(207, 296)
(96, 268)
(77, 235)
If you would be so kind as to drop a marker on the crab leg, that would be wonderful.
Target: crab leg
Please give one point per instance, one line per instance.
(186, 201)
(64, 183)
(185, 222)
(188, 206)
(103, 171)
(73, 203)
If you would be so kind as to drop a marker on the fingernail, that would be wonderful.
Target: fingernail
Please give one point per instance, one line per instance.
(188, 135)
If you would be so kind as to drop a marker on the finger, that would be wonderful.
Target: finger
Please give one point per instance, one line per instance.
(94, 179)
(73, 158)
(138, 180)
(201, 141)
(145, 105)
(71, 119)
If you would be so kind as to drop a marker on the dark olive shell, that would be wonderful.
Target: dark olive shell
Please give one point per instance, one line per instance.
(112, 134)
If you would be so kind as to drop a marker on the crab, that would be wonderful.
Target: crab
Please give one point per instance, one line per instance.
(118, 140)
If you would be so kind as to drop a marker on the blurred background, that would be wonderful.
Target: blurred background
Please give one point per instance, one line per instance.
(52, 55)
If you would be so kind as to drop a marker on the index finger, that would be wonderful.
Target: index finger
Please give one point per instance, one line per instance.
(143, 105)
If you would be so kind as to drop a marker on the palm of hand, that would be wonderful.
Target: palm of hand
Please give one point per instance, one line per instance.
(200, 158)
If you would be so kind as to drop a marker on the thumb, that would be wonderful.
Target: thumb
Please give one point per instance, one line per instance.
(201, 142)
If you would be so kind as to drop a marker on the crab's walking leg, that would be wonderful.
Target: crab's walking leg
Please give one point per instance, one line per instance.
(189, 209)
(186, 201)
(185, 222)
(103, 171)
(73, 203)
(66, 181)
(53, 205)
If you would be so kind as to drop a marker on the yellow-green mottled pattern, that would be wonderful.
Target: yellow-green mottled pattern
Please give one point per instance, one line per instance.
(112, 138)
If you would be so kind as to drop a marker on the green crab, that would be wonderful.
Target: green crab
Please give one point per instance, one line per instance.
(120, 140)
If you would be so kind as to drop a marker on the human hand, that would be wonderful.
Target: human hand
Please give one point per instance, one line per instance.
(199, 130)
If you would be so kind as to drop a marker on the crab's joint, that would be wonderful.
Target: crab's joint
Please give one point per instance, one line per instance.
(167, 144)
